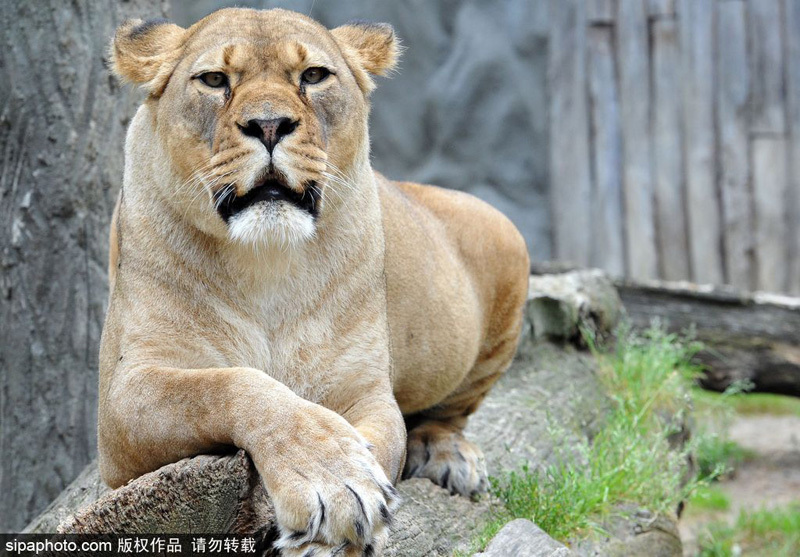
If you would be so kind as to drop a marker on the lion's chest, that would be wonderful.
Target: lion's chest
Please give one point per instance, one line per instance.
(298, 348)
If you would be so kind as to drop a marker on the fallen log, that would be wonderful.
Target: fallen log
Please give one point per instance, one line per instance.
(751, 338)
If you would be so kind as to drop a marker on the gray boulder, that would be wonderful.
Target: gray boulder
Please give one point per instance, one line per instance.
(560, 304)
(522, 538)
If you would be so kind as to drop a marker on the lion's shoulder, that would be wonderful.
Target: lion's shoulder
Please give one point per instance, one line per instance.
(428, 226)
(468, 220)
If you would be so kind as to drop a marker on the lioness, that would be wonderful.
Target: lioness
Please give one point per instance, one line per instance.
(270, 291)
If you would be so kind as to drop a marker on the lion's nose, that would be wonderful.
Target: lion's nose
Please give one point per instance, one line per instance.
(269, 132)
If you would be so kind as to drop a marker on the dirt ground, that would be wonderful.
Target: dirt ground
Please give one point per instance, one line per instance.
(770, 479)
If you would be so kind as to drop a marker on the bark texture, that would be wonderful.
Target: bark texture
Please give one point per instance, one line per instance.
(62, 125)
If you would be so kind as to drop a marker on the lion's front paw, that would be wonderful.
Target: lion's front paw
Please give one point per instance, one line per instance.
(331, 496)
(443, 455)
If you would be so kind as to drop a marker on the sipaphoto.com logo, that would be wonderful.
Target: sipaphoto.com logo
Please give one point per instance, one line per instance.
(56, 546)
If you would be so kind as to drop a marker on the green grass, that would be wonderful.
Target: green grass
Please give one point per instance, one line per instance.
(765, 403)
(708, 498)
(736, 400)
(648, 378)
(482, 539)
(774, 532)
(717, 456)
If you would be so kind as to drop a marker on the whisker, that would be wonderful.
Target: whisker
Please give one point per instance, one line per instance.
(207, 188)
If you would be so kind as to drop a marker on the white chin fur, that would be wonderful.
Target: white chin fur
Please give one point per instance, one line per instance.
(273, 223)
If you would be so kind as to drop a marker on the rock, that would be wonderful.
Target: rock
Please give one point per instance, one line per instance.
(560, 304)
(522, 538)
(633, 533)
(432, 522)
(83, 491)
(62, 140)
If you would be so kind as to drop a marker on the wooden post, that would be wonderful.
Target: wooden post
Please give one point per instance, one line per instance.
(765, 58)
(600, 12)
(770, 196)
(569, 132)
(608, 249)
(732, 122)
(696, 18)
(768, 144)
(661, 8)
(634, 73)
(672, 240)
(792, 60)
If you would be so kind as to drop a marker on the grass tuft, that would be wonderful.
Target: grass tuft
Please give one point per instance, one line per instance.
(717, 456)
(630, 460)
(750, 404)
(709, 498)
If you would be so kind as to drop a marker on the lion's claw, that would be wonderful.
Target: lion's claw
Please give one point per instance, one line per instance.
(340, 501)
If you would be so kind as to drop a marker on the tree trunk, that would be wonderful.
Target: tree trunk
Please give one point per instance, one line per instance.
(62, 127)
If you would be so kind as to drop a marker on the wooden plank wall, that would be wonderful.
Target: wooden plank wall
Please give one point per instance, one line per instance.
(675, 139)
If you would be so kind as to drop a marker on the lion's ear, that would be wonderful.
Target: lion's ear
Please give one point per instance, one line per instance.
(145, 52)
(372, 46)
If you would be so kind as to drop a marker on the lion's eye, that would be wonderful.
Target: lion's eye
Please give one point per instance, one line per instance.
(315, 75)
(214, 79)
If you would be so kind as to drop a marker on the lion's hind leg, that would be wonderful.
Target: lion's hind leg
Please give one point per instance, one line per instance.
(437, 448)
(497, 258)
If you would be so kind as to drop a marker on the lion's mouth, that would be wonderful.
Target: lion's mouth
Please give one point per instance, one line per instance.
(271, 189)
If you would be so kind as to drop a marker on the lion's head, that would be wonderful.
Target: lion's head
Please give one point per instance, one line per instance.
(261, 113)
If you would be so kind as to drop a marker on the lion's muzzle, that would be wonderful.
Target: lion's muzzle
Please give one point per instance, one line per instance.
(270, 190)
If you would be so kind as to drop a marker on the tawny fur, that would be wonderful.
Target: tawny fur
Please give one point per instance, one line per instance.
(306, 341)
